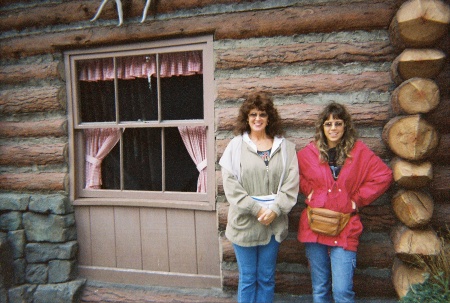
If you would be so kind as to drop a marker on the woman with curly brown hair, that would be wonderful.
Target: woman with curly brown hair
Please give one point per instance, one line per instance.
(260, 180)
(338, 174)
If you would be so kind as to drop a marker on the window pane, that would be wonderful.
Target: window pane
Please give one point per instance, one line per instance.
(137, 91)
(96, 89)
(142, 167)
(181, 85)
(137, 100)
(182, 97)
(181, 171)
(111, 169)
(97, 101)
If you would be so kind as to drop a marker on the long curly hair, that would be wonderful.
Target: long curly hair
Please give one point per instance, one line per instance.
(262, 102)
(345, 146)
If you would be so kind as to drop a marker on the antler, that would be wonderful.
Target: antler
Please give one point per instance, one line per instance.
(119, 11)
(144, 13)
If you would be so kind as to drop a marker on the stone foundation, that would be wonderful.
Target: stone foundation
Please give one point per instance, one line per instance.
(38, 249)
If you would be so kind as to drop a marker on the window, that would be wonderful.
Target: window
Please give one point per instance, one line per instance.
(142, 124)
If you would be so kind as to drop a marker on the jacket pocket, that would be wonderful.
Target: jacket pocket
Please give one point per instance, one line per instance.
(242, 222)
(318, 198)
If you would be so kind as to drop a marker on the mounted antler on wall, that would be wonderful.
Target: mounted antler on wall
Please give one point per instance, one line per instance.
(120, 11)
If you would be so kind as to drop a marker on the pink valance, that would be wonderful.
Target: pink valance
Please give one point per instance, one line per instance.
(131, 67)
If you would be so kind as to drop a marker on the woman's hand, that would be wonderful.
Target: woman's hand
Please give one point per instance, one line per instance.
(266, 216)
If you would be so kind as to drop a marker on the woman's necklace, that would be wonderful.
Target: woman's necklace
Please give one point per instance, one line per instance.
(262, 144)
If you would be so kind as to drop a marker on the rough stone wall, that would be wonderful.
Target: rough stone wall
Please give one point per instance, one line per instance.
(37, 248)
(306, 53)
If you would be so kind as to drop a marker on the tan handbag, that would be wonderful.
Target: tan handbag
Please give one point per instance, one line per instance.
(327, 222)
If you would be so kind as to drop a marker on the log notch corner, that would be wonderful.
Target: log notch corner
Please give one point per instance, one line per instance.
(415, 30)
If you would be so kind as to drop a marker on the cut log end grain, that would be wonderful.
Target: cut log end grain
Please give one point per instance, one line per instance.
(410, 137)
(415, 96)
(413, 208)
(420, 23)
(404, 275)
(411, 175)
(421, 63)
(409, 243)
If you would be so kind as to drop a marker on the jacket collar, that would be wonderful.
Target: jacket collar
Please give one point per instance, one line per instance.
(276, 143)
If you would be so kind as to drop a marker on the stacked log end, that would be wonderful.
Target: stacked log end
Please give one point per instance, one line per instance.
(419, 23)
(415, 31)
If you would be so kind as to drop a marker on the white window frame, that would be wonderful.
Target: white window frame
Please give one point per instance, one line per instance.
(185, 200)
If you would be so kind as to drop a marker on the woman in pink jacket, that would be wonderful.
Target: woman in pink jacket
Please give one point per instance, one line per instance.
(339, 173)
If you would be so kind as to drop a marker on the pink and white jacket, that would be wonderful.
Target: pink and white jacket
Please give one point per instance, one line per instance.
(363, 178)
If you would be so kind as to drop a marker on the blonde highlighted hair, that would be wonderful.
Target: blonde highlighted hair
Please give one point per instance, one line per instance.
(345, 146)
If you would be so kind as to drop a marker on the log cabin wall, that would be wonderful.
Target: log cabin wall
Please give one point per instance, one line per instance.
(306, 53)
(418, 29)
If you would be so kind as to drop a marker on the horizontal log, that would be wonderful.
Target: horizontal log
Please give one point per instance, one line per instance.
(440, 186)
(33, 154)
(291, 251)
(34, 181)
(42, 128)
(53, 13)
(439, 116)
(6, 2)
(19, 73)
(285, 282)
(374, 252)
(305, 115)
(300, 284)
(294, 215)
(32, 99)
(231, 25)
(378, 218)
(244, 57)
(74, 11)
(441, 217)
(235, 88)
(443, 78)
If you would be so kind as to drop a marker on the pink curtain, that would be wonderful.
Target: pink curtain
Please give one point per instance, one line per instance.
(99, 142)
(194, 138)
(171, 64)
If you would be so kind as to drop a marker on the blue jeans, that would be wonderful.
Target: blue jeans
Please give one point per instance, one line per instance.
(332, 271)
(257, 266)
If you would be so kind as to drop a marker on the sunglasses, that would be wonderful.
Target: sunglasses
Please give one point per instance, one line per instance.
(254, 115)
(336, 124)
